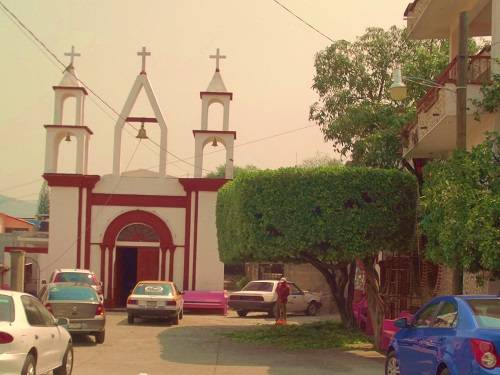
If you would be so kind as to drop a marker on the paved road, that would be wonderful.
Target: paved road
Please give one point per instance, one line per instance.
(195, 348)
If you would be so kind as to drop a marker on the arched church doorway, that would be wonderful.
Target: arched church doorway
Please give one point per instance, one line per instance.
(138, 242)
(137, 258)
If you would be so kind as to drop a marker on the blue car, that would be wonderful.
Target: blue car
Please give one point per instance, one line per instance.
(450, 335)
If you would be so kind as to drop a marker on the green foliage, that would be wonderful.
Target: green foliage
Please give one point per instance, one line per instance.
(220, 171)
(43, 200)
(490, 101)
(331, 214)
(319, 335)
(242, 282)
(320, 160)
(352, 79)
(462, 208)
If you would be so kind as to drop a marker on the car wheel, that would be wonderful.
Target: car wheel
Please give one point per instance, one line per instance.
(312, 309)
(100, 336)
(181, 314)
(175, 320)
(67, 363)
(29, 367)
(130, 319)
(242, 313)
(392, 364)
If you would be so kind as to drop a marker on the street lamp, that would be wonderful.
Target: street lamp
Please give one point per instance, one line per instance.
(398, 89)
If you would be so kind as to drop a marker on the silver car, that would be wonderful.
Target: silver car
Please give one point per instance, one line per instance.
(80, 304)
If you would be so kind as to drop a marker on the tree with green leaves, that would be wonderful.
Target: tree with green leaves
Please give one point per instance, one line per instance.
(320, 160)
(352, 80)
(328, 217)
(220, 171)
(461, 208)
(43, 200)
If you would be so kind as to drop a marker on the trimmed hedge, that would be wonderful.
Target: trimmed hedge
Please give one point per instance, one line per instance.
(331, 213)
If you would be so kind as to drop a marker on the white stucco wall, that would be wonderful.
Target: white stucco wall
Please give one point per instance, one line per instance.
(152, 185)
(63, 230)
(209, 269)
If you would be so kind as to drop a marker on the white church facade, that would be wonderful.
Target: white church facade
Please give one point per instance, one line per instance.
(138, 225)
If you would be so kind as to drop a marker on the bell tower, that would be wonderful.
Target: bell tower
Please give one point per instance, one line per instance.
(215, 93)
(69, 87)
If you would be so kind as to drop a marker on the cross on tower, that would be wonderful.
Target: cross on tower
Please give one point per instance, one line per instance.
(217, 57)
(72, 55)
(143, 54)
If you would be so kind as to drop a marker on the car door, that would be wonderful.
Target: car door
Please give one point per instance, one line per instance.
(296, 299)
(39, 334)
(435, 338)
(410, 340)
(58, 343)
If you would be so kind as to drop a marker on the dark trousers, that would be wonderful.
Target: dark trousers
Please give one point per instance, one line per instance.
(281, 311)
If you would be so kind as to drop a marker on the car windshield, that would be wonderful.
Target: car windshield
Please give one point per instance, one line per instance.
(255, 286)
(72, 293)
(75, 277)
(153, 290)
(6, 308)
(486, 312)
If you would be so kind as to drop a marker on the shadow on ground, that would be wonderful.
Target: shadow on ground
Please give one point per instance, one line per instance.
(205, 345)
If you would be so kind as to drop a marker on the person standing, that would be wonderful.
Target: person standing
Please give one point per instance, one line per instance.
(283, 291)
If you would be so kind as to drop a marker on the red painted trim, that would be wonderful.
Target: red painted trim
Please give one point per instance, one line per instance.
(99, 199)
(187, 240)
(69, 127)
(138, 217)
(71, 88)
(71, 180)
(202, 184)
(103, 261)
(110, 277)
(195, 239)
(88, 226)
(171, 266)
(163, 262)
(142, 119)
(215, 132)
(203, 93)
(79, 229)
(31, 250)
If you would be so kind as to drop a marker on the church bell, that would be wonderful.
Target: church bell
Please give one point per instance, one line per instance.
(214, 143)
(142, 133)
(68, 138)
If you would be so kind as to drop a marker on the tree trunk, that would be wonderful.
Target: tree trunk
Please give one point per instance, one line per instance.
(339, 278)
(376, 306)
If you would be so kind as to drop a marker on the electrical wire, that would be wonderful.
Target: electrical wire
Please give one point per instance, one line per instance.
(303, 21)
(54, 56)
(13, 187)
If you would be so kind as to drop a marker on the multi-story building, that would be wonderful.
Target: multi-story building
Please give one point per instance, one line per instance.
(433, 134)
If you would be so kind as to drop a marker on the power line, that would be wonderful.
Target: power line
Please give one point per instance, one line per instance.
(54, 56)
(303, 21)
(13, 187)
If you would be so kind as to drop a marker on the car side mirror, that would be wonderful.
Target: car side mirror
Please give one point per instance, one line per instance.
(44, 282)
(101, 284)
(64, 322)
(402, 323)
(181, 293)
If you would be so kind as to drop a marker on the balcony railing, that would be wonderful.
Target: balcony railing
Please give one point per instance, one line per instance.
(478, 72)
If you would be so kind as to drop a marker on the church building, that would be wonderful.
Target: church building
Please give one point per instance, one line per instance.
(128, 226)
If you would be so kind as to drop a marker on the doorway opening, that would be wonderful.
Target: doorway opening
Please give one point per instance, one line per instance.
(126, 274)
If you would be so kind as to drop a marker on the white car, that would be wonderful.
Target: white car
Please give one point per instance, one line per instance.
(32, 341)
(261, 296)
(155, 299)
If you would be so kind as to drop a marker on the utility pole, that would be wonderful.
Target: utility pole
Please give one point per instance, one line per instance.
(462, 79)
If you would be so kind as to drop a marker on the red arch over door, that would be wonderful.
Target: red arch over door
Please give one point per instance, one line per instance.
(138, 217)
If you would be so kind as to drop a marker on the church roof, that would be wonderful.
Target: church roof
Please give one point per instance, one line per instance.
(216, 84)
(70, 79)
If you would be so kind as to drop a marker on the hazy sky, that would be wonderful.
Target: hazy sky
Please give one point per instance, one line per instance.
(269, 69)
